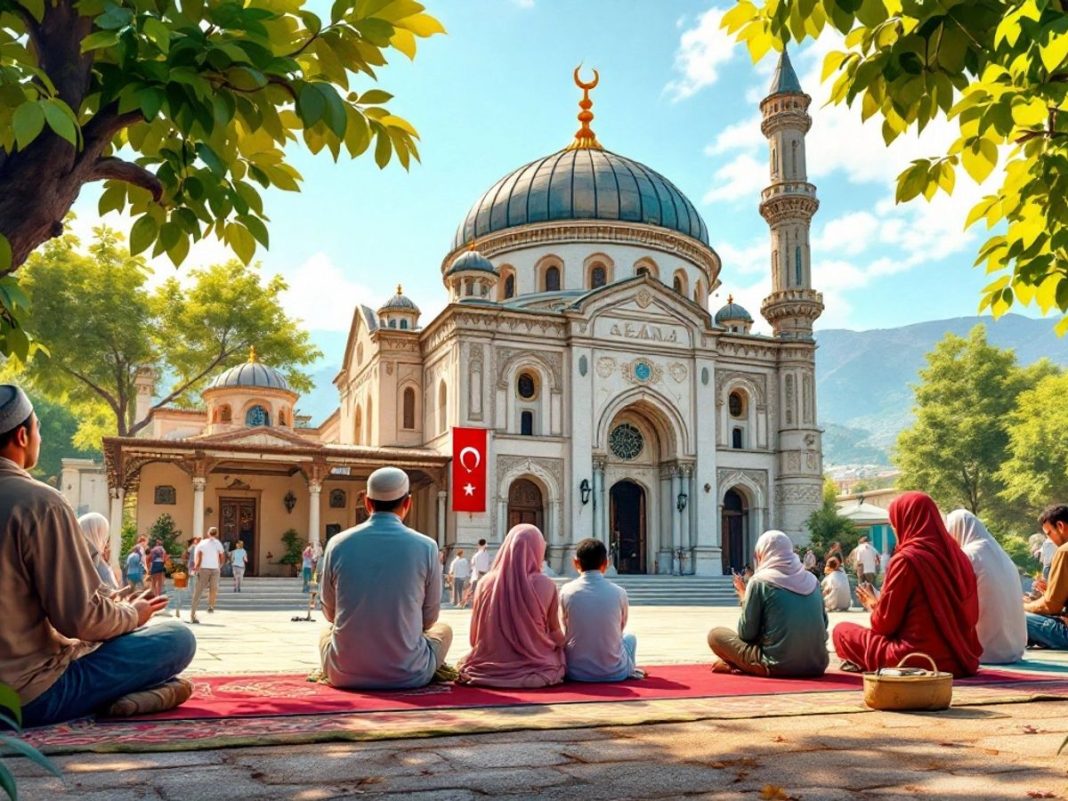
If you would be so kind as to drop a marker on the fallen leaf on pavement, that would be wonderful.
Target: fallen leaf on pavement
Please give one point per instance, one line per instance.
(772, 792)
(1039, 794)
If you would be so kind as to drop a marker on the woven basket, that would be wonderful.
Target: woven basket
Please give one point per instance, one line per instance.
(905, 689)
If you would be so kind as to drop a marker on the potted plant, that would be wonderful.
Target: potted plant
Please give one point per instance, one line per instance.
(294, 554)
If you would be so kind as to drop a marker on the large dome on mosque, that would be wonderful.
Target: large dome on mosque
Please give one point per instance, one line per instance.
(581, 182)
(250, 374)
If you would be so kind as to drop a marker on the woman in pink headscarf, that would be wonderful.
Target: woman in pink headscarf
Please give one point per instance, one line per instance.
(516, 639)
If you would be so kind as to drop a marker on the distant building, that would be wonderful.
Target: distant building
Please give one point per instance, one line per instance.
(868, 512)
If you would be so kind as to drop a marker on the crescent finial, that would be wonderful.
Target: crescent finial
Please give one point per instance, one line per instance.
(585, 138)
(583, 84)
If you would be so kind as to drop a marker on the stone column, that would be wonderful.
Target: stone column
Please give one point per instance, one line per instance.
(676, 482)
(684, 515)
(599, 530)
(199, 483)
(314, 488)
(442, 497)
(117, 495)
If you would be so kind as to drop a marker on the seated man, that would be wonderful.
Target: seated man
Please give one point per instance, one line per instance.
(68, 646)
(1047, 616)
(595, 615)
(836, 594)
(380, 586)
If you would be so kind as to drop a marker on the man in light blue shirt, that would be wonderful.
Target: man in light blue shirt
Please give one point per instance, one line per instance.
(380, 586)
(595, 615)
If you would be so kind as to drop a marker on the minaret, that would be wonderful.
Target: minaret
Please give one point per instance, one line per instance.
(788, 204)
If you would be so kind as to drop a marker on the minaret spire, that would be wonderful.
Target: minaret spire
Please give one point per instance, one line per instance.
(585, 138)
(788, 204)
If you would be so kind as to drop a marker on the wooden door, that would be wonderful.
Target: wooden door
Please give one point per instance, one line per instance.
(238, 522)
(627, 514)
(525, 504)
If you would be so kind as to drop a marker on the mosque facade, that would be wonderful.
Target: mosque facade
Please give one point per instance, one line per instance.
(578, 334)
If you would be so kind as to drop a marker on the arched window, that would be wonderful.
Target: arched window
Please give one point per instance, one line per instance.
(408, 408)
(736, 404)
(793, 159)
(737, 439)
(370, 422)
(404, 324)
(357, 426)
(509, 286)
(392, 323)
(526, 423)
(642, 271)
(598, 276)
(552, 279)
(257, 416)
(443, 408)
(774, 166)
(526, 386)
(679, 283)
(225, 415)
(282, 418)
(697, 291)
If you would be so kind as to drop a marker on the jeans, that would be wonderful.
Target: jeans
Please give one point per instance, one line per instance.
(1049, 632)
(458, 585)
(140, 660)
(239, 573)
(307, 575)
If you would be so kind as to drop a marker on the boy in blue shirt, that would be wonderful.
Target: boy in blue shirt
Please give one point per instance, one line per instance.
(595, 615)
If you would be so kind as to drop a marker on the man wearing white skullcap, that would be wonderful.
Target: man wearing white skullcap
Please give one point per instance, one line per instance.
(69, 646)
(380, 587)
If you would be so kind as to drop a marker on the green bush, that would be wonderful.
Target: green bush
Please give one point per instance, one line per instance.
(164, 529)
(294, 545)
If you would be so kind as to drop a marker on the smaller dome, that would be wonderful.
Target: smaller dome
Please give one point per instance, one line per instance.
(399, 302)
(471, 260)
(732, 313)
(251, 374)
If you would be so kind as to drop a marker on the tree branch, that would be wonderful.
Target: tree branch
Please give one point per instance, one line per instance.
(110, 167)
(103, 393)
(174, 393)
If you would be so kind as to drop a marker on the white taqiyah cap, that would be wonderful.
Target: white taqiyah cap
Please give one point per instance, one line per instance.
(387, 484)
(15, 407)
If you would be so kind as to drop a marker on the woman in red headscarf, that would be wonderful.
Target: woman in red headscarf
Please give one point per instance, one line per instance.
(516, 639)
(929, 600)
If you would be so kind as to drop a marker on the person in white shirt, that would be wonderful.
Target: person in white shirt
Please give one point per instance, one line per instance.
(238, 558)
(459, 571)
(481, 563)
(594, 611)
(866, 561)
(835, 586)
(210, 555)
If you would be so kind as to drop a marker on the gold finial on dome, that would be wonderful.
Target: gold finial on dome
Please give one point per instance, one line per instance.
(400, 289)
(252, 354)
(730, 299)
(585, 138)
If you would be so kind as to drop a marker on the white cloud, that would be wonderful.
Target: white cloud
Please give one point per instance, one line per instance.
(849, 234)
(744, 135)
(703, 49)
(322, 296)
(742, 177)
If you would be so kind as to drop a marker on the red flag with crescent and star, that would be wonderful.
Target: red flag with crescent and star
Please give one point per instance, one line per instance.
(469, 470)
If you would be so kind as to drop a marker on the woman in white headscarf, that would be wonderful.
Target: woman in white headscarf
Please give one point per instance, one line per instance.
(1002, 628)
(783, 627)
(96, 529)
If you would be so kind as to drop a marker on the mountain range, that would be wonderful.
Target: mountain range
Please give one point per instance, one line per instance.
(864, 379)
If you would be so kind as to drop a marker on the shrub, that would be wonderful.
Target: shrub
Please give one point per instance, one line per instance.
(294, 546)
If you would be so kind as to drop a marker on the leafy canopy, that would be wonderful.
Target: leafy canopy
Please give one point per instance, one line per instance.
(102, 323)
(826, 526)
(185, 107)
(1036, 471)
(955, 448)
(999, 69)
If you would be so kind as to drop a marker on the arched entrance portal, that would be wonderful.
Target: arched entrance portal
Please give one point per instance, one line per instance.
(525, 504)
(627, 516)
(735, 530)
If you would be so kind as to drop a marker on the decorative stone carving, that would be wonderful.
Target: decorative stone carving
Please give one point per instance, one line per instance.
(678, 371)
(704, 376)
(338, 499)
(789, 399)
(550, 360)
(509, 464)
(644, 298)
(799, 493)
(165, 495)
(759, 382)
(727, 477)
(642, 371)
(389, 368)
(583, 366)
(606, 365)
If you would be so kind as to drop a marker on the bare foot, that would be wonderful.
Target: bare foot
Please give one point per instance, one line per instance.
(719, 666)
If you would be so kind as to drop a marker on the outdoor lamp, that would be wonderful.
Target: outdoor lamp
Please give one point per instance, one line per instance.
(584, 491)
(680, 502)
(289, 501)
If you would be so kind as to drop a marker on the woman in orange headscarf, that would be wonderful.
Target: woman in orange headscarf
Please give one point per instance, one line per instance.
(929, 600)
(516, 639)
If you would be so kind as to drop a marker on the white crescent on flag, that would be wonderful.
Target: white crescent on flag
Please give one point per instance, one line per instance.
(463, 456)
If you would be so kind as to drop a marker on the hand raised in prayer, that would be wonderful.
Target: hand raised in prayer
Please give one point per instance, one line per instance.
(147, 605)
(739, 585)
(866, 598)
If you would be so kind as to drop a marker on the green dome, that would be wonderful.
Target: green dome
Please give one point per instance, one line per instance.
(581, 184)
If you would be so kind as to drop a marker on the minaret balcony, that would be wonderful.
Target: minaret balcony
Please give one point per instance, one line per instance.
(788, 188)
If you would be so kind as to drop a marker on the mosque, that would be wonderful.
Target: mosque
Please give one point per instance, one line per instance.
(578, 334)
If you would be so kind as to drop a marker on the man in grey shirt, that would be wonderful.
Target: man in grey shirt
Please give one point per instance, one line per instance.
(380, 586)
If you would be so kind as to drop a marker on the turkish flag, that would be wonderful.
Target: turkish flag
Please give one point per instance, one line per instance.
(469, 470)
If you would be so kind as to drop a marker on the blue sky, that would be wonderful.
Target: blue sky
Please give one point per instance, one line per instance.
(676, 94)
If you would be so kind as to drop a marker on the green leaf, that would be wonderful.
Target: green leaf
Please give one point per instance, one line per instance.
(159, 33)
(209, 157)
(979, 159)
(5, 253)
(99, 40)
(383, 147)
(143, 233)
(256, 228)
(27, 122)
(9, 699)
(7, 782)
(374, 97)
(60, 120)
(310, 104)
(1055, 49)
(36, 757)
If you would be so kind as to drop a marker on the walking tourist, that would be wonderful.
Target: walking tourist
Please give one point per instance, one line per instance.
(238, 560)
(307, 564)
(782, 630)
(481, 563)
(1002, 628)
(595, 618)
(929, 601)
(810, 561)
(516, 639)
(380, 588)
(210, 557)
(865, 561)
(1047, 626)
(835, 587)
(96, 529)
(191, 554)
(135, 568)
(157, 567)
(66, 648)
(459, 571)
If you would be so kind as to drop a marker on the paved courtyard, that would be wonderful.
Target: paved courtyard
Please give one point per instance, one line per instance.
(987, 752)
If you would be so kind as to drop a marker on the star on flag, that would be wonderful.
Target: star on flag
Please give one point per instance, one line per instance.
(469, 488)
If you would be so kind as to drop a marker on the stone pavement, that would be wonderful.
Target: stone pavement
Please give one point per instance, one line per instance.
(988, 752)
